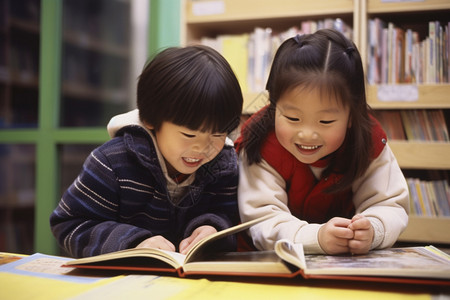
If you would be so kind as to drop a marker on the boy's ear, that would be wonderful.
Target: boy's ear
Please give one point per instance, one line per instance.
(148, 126)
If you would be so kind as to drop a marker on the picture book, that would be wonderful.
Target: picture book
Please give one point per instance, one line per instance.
(143, 259)
(421, 265)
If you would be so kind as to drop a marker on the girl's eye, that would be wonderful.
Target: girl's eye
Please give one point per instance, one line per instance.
(292, 119)
(327, 121)
(188, 135)
(219, 135)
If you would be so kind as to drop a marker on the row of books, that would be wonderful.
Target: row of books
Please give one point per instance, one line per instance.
(251, 54)
(414, 124)
(93, 69)
(397, 55)
(24, 60)
(103, 20)
(26, 10)
(16, 235)
(429, 198)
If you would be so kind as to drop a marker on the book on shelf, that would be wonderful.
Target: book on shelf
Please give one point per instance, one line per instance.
(398, 55)
(414, 124)
(421, 265)
(391, 121)
(251, 54)
(429, 198)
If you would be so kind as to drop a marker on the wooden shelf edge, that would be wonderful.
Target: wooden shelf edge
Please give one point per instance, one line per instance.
(427, 230)
(430, 96)
(421, 155)
(254, 102)
(263, 9)
(377, 6)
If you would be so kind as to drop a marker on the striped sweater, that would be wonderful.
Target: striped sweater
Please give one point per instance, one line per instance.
(121, 198)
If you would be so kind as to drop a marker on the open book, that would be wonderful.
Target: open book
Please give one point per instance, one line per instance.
(422, 265)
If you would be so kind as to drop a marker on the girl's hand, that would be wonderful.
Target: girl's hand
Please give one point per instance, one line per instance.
(334, 236)
(196, 236)
(363, 234)
(158, 242)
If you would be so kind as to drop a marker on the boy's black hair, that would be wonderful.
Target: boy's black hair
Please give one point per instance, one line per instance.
(331, 63)
(192, 86)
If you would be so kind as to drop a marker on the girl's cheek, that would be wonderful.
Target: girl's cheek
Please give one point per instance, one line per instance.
(283, 133)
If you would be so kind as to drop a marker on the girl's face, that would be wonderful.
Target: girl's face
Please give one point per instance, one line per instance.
(310, 126)
(186, 150)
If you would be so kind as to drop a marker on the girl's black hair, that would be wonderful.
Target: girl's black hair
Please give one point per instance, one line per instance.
(329, 62)
(192, 86)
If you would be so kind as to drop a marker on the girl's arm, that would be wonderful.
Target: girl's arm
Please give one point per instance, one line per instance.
(262, 191)
(381, 195)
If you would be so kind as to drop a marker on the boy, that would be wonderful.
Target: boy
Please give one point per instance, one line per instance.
(169, 176)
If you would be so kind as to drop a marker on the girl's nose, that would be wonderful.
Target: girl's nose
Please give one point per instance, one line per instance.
(307, 133)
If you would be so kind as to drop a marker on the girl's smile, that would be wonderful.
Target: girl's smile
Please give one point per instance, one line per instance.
(310, 124)
(308, 150)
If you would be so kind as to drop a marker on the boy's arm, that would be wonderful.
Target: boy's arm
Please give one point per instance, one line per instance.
(84, 221)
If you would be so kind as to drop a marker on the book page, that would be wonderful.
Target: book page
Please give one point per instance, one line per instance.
(250, 262)
(291, 253)
(173, 259)
(196, 250)
(405, 262)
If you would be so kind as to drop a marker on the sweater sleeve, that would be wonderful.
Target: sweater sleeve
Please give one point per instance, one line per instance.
(381, 194)
(263, 191)
(84, 222)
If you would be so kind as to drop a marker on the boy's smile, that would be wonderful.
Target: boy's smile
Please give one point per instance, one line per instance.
(186, 150)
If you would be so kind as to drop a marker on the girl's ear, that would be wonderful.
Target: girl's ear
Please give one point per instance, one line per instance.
(349, 125)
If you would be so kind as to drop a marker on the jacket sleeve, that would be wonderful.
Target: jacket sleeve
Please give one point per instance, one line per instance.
(381, 194)
(263, 191)
(84, 222)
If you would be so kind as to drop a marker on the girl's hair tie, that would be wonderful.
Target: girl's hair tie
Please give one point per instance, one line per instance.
(349, 50)
(298, 41)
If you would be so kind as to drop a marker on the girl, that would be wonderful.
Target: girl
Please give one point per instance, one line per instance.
(168, 177)
(317, 158)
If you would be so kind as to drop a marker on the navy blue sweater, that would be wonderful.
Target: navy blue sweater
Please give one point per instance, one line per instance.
(120, 198)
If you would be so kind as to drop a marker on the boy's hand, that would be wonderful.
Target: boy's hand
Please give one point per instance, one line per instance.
(196, 236)
(363, 235)
(158, 242)
(334, 236)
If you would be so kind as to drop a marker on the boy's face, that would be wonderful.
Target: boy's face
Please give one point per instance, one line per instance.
(310, 125)
(186, 150)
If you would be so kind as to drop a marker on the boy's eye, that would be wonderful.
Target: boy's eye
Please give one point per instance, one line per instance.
(292, 119)
(327, 121)
(188, 135)
(219, 135)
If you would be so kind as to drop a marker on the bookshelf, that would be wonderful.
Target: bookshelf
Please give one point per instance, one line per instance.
(214, 18)
(201, 19)
(19, 60)
(43, 140)
(416, 155)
